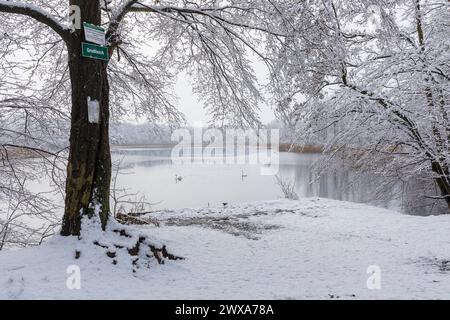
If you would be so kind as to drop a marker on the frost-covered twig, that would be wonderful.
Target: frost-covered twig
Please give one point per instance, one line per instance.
(287, 187)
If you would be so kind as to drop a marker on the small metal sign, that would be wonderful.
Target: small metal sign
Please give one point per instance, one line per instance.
(94, 34)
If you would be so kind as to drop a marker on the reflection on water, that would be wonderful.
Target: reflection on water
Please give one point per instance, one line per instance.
(152, 172)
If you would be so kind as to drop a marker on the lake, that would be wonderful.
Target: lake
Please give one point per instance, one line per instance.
(151, 172)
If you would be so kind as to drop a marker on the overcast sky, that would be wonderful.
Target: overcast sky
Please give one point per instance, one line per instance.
(193, 109)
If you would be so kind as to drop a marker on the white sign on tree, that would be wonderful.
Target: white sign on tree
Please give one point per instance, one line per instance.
(94, 34)
(93, 110)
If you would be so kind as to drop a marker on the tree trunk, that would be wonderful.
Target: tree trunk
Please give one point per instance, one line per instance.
(443, 175)
(89, 164)
(442, 181)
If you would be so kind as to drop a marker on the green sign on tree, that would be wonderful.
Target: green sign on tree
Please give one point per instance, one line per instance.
(93, 51)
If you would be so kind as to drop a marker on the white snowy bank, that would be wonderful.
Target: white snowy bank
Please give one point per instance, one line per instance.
(312, 248)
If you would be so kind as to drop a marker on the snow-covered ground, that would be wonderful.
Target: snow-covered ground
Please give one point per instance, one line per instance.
(312, 248)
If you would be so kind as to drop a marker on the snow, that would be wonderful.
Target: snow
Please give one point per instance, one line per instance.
(310, 248)
(34, 8)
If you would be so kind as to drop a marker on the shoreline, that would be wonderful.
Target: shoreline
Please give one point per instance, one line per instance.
(283, 147)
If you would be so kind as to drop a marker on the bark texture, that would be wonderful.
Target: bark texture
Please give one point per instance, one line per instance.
(89, 165)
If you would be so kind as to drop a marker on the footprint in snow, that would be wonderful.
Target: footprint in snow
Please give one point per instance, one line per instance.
(15, 287)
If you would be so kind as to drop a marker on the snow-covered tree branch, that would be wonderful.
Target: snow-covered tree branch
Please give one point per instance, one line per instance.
(376, 82)
(35, 12)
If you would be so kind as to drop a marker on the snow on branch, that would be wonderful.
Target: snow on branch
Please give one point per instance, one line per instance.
(209, 12)
(40, 15)
(216, 39)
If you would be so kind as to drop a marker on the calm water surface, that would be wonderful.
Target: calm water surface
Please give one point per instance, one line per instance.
(151, 172)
